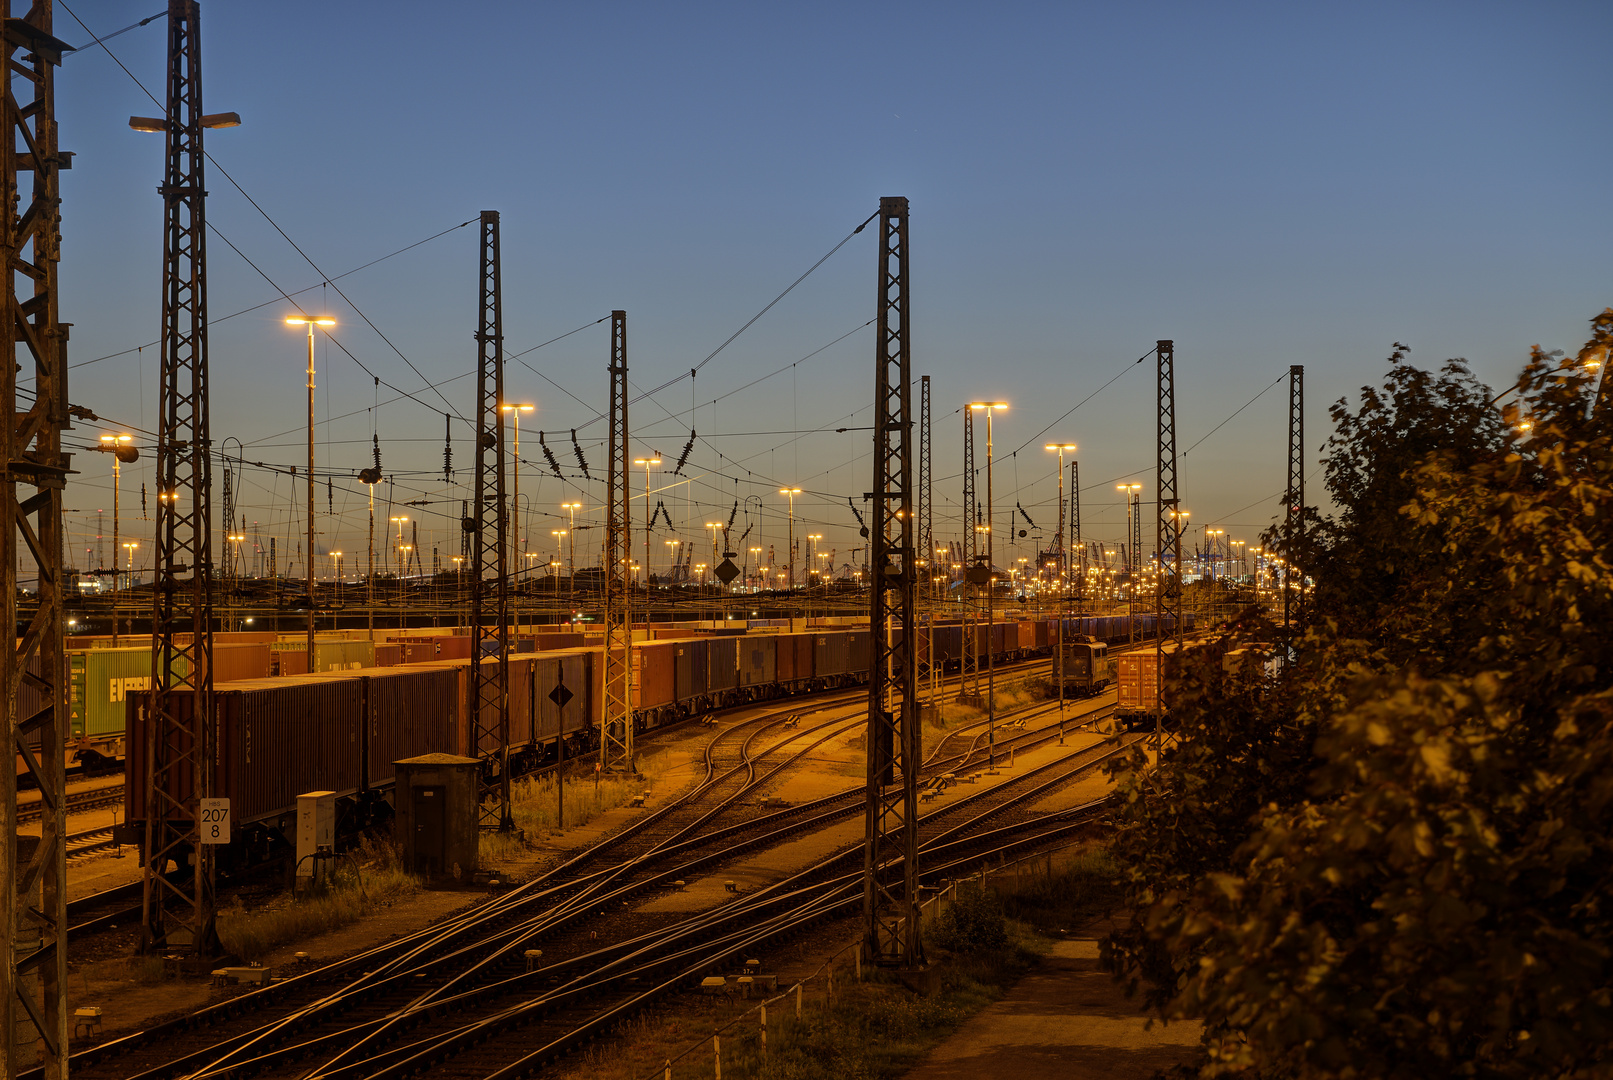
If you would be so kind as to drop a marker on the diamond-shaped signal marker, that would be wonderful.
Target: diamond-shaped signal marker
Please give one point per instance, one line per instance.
(560, 695)
(727, 571)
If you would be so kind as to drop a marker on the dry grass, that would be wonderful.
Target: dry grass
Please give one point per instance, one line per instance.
(534, 802)
(143, 970)
(366, 880)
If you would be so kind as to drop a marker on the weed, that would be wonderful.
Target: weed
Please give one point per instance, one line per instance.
(1083, 888)
(533, 804)
(972, 922)
(368, 879)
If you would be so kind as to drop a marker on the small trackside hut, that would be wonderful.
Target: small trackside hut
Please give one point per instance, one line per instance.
(437, 816)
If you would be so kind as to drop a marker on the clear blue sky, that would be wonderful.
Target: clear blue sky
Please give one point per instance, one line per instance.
(1266, 184)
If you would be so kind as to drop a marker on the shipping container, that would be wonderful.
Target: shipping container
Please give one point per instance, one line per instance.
(722, 661)
(1137, 681)
(691, 658)
(277, 739)
(655, 681)
(234, 662)
(831, 654)
(758, 659)
(388, 655)
(99, 682)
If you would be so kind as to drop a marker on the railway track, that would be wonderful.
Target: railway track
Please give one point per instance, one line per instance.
(77, 803)
(598, 989)
(437, 973)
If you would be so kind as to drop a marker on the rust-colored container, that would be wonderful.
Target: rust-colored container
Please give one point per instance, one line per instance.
(831, 653)
(289, 662)
(454, 648)
(654, 674)
(388, 655)
(758, 659)
(233, 662)
(277, 739)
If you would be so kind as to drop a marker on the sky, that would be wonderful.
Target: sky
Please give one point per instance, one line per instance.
(1263, 184)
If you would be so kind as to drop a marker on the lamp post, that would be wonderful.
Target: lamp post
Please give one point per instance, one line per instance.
(648, 463)
(1063, 568)
(118, 446)
(560, 536)
(517, 547)
(571, 557)
(791, 493)
(989, 407)
(1130, 555)
(310, 321)
(397, 545)
(756, 551)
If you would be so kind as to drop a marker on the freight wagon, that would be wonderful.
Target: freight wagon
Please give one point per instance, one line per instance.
(341, 730)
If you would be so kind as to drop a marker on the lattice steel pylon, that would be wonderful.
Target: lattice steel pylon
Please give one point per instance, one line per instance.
(1294, 498)
(894, 737)
(926, 536)
(1168, 531)
(616, 722)
(490, 596)
(969, 663)
(33, 914)
(180, 728)
(1078, 547)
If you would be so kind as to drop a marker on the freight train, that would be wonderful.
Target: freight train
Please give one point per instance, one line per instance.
(342, 730)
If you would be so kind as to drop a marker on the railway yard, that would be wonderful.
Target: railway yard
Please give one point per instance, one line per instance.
(739, 856)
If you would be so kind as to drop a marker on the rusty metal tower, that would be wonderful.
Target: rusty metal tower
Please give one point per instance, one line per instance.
(490, 582)
(926, 534)
(181, 727)
(33, 913)
(890, 909)
(1078, 547)
(1170, 521)
(926, 538)
(616, 723)
(1294, 498)
(969, 665)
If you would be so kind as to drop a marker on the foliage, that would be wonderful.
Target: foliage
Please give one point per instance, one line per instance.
(972, 922)
(1395, 860)
(368, 880)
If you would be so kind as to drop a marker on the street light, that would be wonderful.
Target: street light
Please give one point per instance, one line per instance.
(121, 450)
(571, 557)
(714, 526)
(1209, 547)
(310, 321)
(397, 545)
(791, 493)
(989, 407)
(756, 551)
(648, 463)
(515, 412)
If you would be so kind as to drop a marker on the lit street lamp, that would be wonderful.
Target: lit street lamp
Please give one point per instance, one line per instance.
(791, 493)
(648, 463)
(989, 407)
(310, 321)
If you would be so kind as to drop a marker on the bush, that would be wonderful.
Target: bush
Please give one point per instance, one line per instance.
(973, 922)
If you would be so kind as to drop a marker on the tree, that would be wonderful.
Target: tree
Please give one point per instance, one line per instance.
(1430, 896)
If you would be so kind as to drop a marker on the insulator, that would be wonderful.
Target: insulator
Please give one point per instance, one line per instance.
(549, 455)
(1024, 515)
(448, 448)
(375, 441)
(577, 446)
(677, 470)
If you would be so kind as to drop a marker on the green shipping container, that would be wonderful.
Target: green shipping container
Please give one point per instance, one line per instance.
(101, 679)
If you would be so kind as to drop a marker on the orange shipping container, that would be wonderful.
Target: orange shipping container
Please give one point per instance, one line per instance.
(1137, 683)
